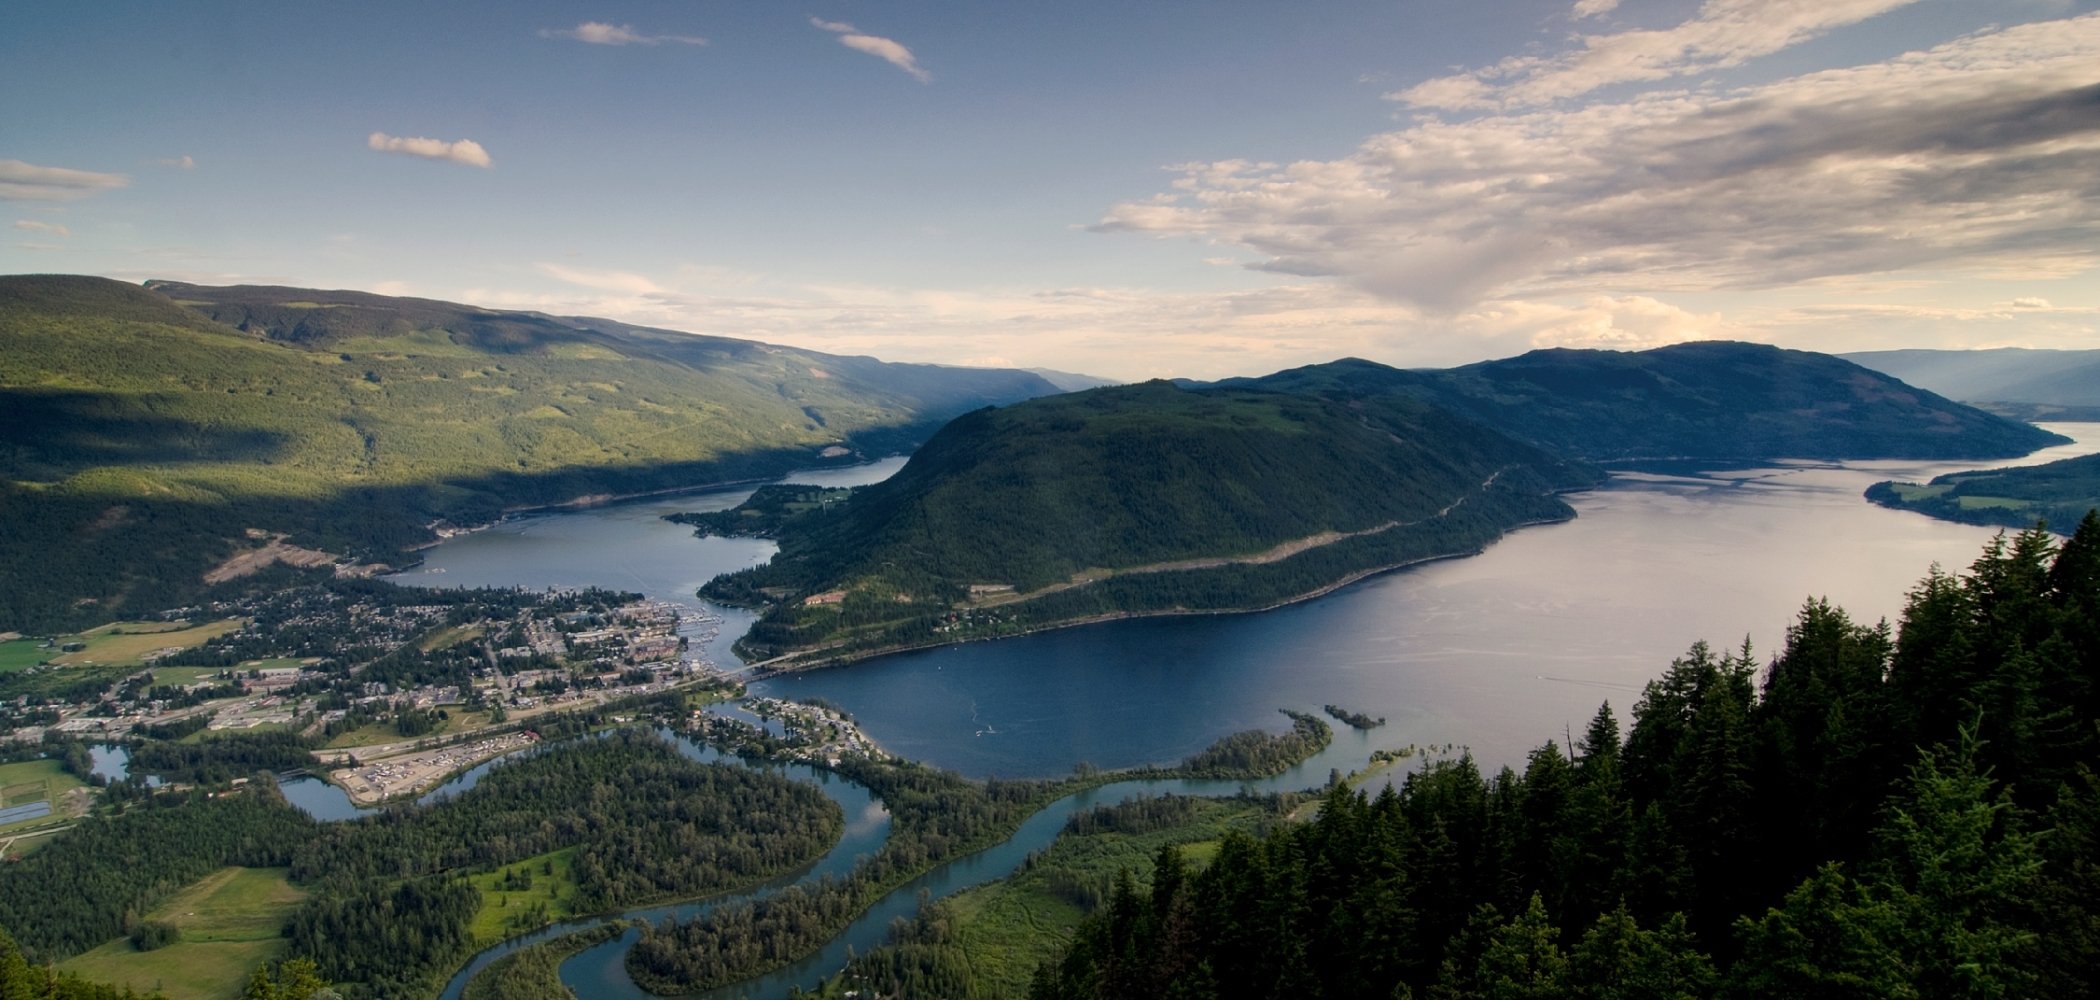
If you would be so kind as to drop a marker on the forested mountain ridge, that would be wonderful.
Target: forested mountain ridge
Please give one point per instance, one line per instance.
(1139, 498)
(145, 436)
(1705, 399)
(1877, 814)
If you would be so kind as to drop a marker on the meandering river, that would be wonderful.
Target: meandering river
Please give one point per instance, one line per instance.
(1497, 653)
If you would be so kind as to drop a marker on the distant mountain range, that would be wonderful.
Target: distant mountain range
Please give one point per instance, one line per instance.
(1160, 498)
(150, 429)
(1707, 399)
(2029, 384)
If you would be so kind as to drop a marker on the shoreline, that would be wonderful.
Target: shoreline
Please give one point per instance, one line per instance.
(590, 500)
(765, 669)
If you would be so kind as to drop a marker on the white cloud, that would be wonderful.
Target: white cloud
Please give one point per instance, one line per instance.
(1980, 157)
(21, 181)
(601, 33)
(42, 227)
(881, 48)
(465, 151)
(604, 281)
(177, 162)
(1723, 34)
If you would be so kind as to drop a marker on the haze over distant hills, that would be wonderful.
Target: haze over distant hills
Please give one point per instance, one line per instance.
(150, 428)
(2030, 384)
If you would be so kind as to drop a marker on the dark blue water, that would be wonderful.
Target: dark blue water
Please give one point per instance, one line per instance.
(1499, 652)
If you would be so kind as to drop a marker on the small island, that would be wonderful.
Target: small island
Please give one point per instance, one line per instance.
(1355, 720)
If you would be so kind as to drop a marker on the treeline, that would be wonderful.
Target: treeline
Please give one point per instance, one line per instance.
(222, 758)
(1882, 814)
(612, 797)
(935, 816)
(1256, 754)
(984, 943)
(534, 972)
(20, 978)
(390, 936)
(646, 823)
(95, 881)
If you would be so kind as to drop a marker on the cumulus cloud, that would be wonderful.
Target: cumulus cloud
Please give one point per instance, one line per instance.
(1723, 34)
(42, 227)
(1981, 155)
(177, 162)
(21, 181)
(601, 33)
(465, 151)
(881, 48)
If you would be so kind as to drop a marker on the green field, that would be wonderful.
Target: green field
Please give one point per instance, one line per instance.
(21, 654)
(35, 781)
(377, 733)
(446, 638)
(231, 922)
(508, 912)
(127, 643)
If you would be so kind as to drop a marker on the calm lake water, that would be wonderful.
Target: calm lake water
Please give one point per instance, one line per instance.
(1498, 652)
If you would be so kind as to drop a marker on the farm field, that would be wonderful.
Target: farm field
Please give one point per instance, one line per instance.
(127, 643)
(230, 922)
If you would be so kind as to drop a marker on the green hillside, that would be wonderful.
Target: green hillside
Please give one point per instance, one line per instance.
(1698, 400)
(2059, 492)
(1133, 499)
(149, 428)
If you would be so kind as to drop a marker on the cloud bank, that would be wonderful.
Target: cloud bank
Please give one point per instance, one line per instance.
(601, 33)
(881, 48)
(1724, 33)
(21, 181)
(465, 151)
(1981, 157)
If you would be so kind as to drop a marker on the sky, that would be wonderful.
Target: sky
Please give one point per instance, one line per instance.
(1128, 190)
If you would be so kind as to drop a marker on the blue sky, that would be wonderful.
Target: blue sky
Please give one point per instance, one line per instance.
(1132, 190)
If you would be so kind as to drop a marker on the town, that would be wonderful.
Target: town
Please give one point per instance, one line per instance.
(386, 690)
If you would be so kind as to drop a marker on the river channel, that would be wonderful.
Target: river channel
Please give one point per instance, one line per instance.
(1496, 653)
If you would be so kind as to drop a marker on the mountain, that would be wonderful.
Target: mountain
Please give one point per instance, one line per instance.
(1072, 381)
(2031, 384)
(1708, 399)
(2058, 492)
(153, 432)
(1138, 499)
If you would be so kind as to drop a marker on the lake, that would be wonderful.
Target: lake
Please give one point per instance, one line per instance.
(1498, 652)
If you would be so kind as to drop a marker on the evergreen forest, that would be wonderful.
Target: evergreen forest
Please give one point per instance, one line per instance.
(1878, 812)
